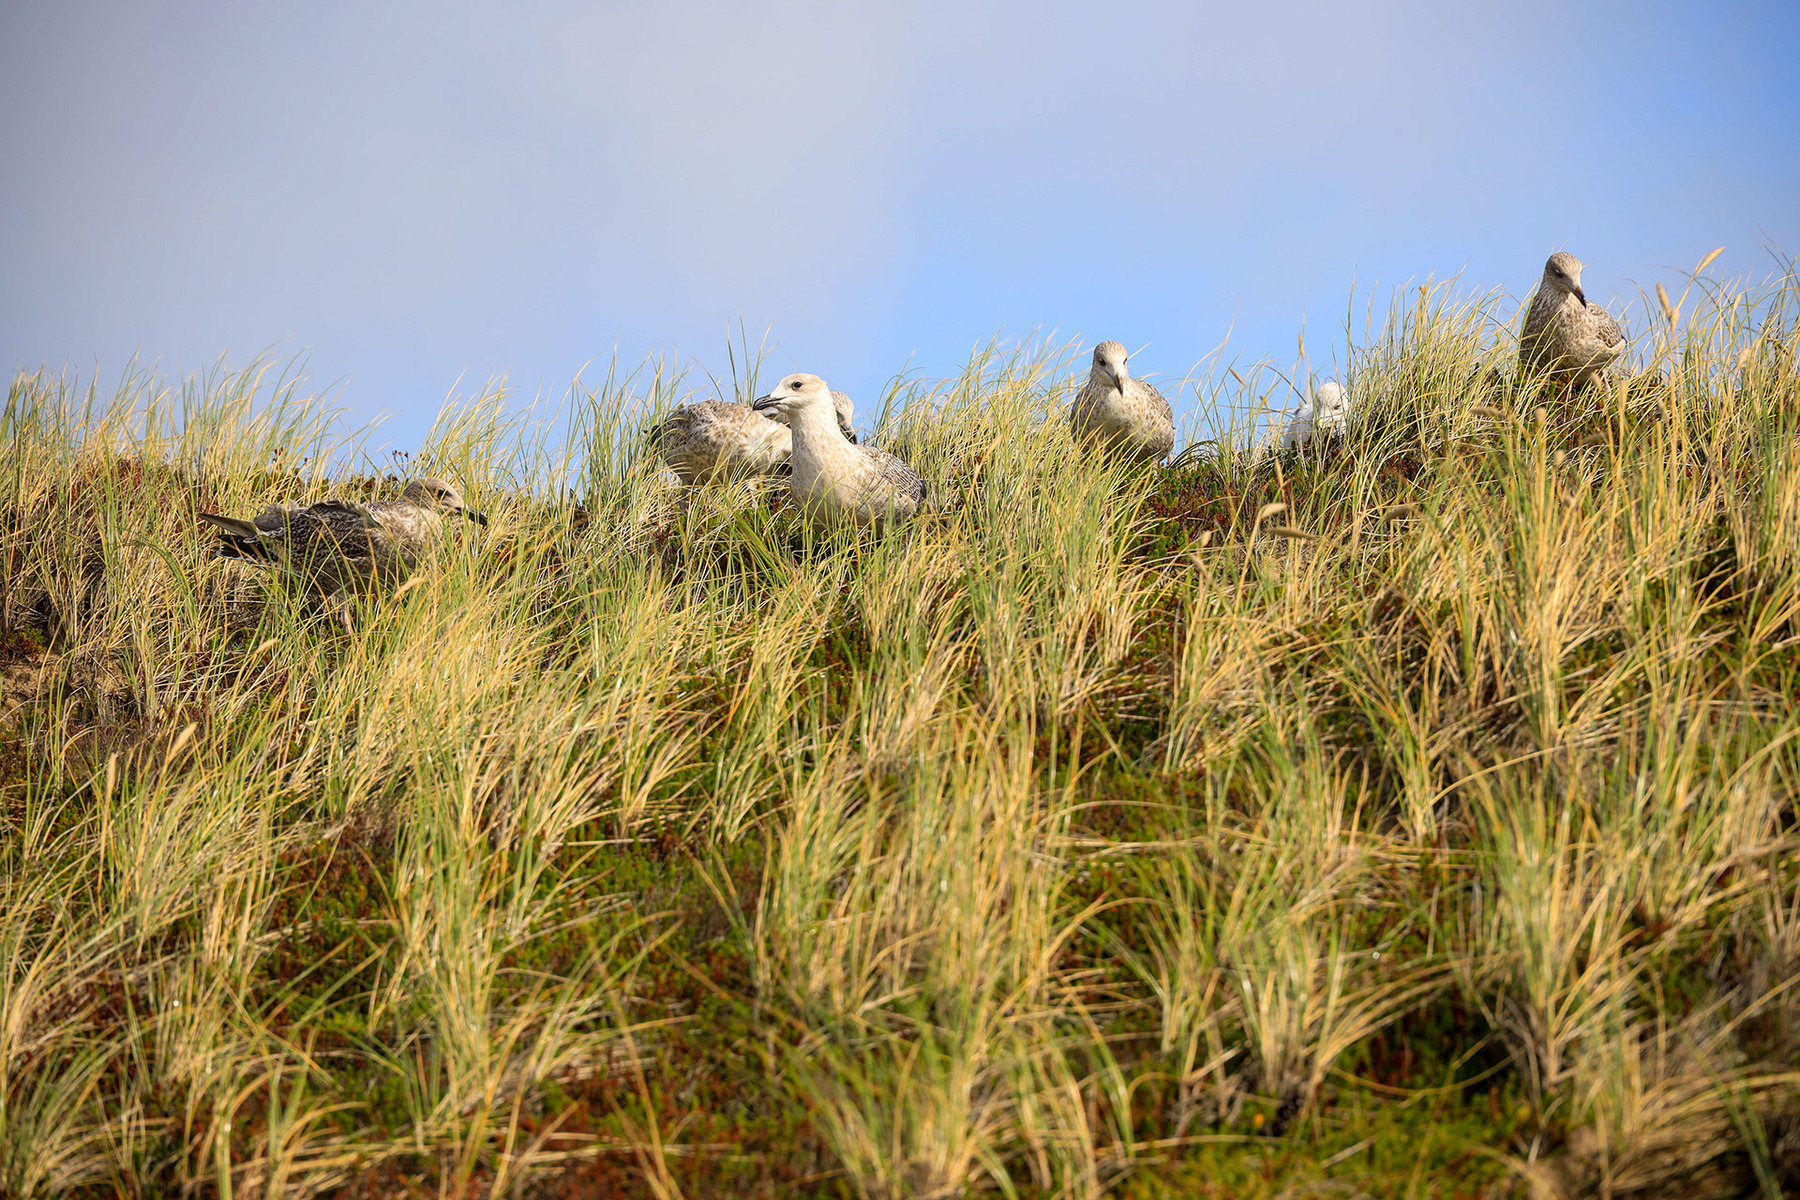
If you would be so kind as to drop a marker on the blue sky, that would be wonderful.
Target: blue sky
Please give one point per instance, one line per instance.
(418, 194)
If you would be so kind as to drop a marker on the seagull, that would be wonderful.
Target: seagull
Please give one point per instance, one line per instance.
(338, 547)
(1121, 414)
(1566, 335)
(716, 439)
(836, 481)
(1320, 419)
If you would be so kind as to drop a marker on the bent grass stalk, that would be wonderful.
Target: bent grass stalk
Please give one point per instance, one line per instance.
(1097, 819)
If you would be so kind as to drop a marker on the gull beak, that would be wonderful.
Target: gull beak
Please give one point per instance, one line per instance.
(1581, 295)
(478, 518)
(763, 403)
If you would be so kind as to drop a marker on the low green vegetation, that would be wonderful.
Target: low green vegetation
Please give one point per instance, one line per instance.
(1411, 816)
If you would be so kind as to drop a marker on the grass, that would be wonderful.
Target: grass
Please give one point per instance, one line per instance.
(1408, 817)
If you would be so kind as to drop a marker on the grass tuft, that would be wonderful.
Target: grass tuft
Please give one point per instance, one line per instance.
(1413, 814)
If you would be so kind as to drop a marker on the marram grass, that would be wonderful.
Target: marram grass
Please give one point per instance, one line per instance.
(1414, 816)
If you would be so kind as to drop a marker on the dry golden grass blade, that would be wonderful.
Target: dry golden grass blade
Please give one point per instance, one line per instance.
(1042, 835)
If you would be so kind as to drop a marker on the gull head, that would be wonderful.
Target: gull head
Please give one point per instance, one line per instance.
(1563, 272)
(439, 496)
(1109, 363)
(796, 394)
(1329, 399)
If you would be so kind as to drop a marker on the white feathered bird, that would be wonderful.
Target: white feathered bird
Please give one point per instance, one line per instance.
(1117, 414)
(836, 481)
(720, 440)
(1320, 419)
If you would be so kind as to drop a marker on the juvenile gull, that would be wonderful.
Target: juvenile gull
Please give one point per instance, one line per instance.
(1320, 419)
(338, 547)
(714, 439)
(836, 481)
(1566, 336)
(1119, 414)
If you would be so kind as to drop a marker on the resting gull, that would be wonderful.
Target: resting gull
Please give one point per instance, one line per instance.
(836, 481)
(1320, 419)
(716, 439)
(1566, 335)
(338, 547)
(1120, 414)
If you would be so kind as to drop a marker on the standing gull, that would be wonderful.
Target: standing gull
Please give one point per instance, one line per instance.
(716, 439)
(338, 547)
(1566, 336)
(1120, 414)
(836, 481)
(1320, 419)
